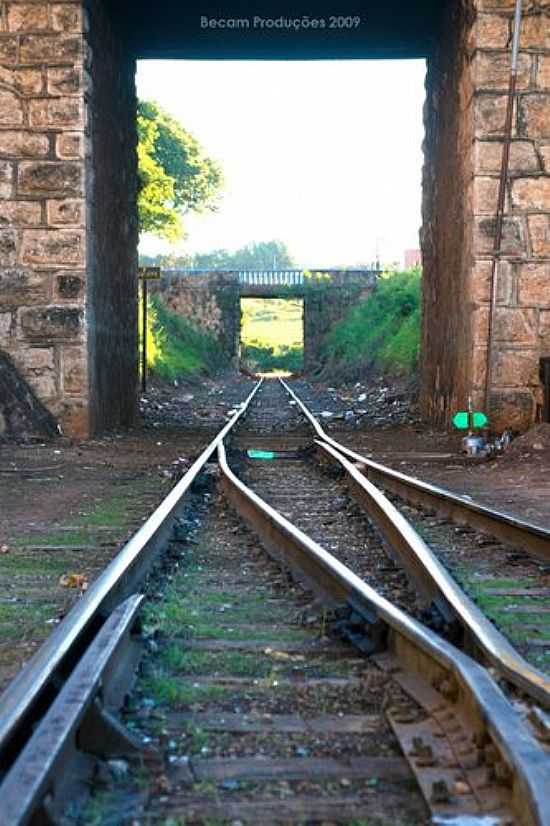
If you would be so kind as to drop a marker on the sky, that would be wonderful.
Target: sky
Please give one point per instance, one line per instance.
(323, 155)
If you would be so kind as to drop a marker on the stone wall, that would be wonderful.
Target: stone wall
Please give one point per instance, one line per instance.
(42, 216)
(460, 199)
(210, 301)
(22, 415)
(63, 96)
(522, 317)
(327, 303)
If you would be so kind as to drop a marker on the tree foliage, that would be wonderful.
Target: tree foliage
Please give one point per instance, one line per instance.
(258, 255)
(176, 177)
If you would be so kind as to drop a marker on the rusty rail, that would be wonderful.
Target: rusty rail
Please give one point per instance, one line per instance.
(79, 725)
(431, 579)
(435, 583)
(503, 526)
(426, 655)
(28, 696)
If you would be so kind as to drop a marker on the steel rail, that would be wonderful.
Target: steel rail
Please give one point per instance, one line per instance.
(33, 689)
(434, 580)
(78, 727)
(504, 526)
(423, 651)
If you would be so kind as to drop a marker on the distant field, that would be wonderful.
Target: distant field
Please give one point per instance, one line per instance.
(272, 322)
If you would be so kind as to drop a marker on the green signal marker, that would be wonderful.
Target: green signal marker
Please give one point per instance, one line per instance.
(480, 419)
(461, 420)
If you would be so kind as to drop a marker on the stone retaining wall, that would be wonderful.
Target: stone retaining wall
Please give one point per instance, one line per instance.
(67, 210)
(22, 415)
(210, 301)
(465, 115)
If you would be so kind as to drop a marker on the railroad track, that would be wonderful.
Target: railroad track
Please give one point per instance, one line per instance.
(231, 657)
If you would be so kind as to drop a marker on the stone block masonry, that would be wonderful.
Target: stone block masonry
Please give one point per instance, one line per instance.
(211, 301)
(21, 413)
(67, 210)
(467, 88)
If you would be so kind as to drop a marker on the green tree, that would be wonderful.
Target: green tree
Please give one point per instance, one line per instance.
(176, 177)
(258, 255)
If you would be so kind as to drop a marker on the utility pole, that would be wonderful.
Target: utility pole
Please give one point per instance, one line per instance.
(145, 274)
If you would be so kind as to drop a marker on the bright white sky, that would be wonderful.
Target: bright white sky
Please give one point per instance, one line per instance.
(324, 155)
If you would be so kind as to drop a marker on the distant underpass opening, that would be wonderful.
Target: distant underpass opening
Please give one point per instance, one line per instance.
(272, 334)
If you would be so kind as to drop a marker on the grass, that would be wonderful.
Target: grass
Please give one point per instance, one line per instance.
(176, 348)
(382, 333)
(205, 630)
(36, 574)
(272, 334)
(111, 512)
(17, 563)
(19, 620)
(499, 608)
(99, 807)
(171, 690)
(184, 661)
(184, 608)
(191, 610)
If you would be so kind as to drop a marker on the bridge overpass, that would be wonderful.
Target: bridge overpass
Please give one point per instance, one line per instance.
(68, 182)
(211, 299)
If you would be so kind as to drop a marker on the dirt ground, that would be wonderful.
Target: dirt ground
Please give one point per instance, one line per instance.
(65, 508)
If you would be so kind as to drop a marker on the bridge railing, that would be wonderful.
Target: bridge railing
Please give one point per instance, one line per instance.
(272, 278)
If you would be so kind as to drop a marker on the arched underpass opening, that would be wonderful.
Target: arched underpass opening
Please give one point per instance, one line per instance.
(272, 335)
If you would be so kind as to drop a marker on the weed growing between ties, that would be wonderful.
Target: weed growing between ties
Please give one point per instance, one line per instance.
(175, 348)
(382, 333)
(520, 628)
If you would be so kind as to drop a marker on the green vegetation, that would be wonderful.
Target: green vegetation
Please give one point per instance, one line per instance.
(176, 348)
(175, 175)
(272, 334)
(518, 626)
(111, 512)
(382, 333)
(261, 358)
(35, 575)
(164, 688)
(258, 255)
(185, 661)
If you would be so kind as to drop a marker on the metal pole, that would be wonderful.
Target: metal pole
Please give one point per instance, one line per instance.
(144, 336)
(501, 200)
